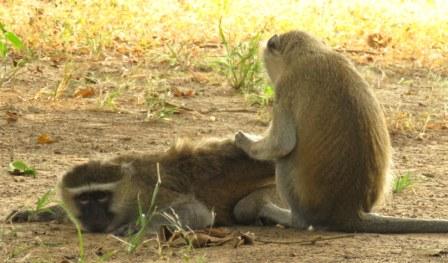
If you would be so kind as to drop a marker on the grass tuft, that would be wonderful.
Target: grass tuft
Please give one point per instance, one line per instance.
(144, 219)
(402, 182)
(81, 258)
(241, 64)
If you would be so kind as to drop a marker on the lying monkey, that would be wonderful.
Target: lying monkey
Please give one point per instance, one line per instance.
(207, 183)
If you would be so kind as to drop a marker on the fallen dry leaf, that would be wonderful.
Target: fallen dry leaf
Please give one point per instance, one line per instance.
(11, 116)
(84, 92)
(200, 78)
(182, 92)
(437, 126)
(44, 139)
(378, 40)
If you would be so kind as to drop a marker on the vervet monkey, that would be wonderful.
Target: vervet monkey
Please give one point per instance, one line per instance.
(329, 139)
(211, 182)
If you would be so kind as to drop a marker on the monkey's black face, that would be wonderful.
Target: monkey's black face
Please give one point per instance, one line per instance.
(94, 208)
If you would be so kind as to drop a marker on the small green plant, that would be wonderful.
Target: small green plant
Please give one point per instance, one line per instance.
(109, 98)
(241, 63)
(264, 98)
(9, 39)
(157, 107)
(21, 168)
(65, 82)
(144, 219)
(402, 182)
(43, 202)
(179, 55)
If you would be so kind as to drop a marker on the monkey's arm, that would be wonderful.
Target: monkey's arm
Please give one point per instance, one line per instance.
(279, 140)
(51, 213)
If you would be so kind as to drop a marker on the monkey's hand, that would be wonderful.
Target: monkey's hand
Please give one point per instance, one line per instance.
(126, 230)
(245, 140)
(270, 147)
(52, 213)
(253, 145)
(17, 216)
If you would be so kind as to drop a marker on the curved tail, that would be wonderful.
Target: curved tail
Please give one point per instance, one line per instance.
(373, 223)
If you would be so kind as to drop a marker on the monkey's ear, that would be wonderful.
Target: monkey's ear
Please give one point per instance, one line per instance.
(128, 169)
(274, 43)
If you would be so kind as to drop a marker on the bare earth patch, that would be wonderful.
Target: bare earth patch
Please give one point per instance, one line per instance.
(82, 129)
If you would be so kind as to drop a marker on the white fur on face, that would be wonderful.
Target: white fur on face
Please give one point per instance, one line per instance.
(92, 187)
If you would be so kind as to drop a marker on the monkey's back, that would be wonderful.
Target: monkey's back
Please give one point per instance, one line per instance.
(343, 147)
(215, 172)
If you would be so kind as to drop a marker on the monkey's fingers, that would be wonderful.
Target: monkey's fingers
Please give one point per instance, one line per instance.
(126, 230)
(17, 216)
(241, 139)
(51, 213)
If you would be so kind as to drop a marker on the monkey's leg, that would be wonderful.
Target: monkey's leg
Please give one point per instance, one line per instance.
(285, 183)
(52, 213)
(188, 213)
(257, 207)
(279, 140)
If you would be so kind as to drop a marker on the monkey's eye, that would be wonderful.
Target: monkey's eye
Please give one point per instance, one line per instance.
(103, 199)
(87, 198)
(83, 200)
(273, 42)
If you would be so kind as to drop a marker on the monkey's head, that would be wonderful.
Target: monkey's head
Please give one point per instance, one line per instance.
(97, 195)
(282, 51)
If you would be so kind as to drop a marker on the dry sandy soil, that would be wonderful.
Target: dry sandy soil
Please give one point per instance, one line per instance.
(82, 130)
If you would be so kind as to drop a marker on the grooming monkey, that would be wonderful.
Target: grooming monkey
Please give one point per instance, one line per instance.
(196, 179)
(329, 139)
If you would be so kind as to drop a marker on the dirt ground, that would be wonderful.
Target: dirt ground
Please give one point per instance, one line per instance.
(82, 130)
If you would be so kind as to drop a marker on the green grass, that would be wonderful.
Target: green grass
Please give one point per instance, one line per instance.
(79, 234)
(262, 98)
(157, 106)
(401, 182)
(241, 63)
(109, 98)
(43, 202)
(9, 41)
(144, 219)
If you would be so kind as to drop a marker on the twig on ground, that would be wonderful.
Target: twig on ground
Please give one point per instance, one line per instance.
(358, 51)
(209, 110)
(230, 110)
(305, 242)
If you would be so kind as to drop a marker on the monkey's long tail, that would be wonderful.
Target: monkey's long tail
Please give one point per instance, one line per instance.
(372, 223)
